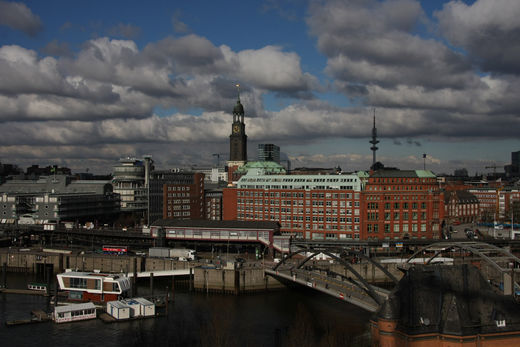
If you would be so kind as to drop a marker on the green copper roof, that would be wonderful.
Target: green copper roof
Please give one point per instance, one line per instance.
(238, 109)
(425, 174)
(261, 167)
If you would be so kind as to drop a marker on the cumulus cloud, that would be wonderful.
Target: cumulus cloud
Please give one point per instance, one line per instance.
(57, 49)
(18, 16)
(112, 97)
(373, 42)
(489, 30)
(111, 78)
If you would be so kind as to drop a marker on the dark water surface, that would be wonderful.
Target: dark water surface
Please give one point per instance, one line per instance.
(292, 317)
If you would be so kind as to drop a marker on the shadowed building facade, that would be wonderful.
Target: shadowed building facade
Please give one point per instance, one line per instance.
(439, 305)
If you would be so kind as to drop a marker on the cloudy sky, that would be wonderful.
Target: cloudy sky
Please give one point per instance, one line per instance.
(85, 83)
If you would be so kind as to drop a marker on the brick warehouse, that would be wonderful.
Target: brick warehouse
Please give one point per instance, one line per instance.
(402, 204)
(385, 204)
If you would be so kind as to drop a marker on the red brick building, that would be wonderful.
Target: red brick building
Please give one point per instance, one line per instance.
(402, 204)
(316, 207)
(387, 204)
(460, 206)
(184, 199)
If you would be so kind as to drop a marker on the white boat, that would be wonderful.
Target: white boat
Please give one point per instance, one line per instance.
(74, 312)
(94, 286)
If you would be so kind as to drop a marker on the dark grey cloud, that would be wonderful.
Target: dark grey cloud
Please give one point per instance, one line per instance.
(18, 16)
(489, 30)
(373, 42)
(57, 49)
(127, 31)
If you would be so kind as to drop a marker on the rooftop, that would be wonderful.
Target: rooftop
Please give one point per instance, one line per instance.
(453, 300)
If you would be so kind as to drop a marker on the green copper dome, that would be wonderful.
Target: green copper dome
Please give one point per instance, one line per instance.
(238, 109)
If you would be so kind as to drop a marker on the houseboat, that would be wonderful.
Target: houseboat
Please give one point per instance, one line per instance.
(74, 312)
(94, 286)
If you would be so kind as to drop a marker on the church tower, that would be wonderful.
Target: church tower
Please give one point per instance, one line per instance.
(237, 140)
(238, 137)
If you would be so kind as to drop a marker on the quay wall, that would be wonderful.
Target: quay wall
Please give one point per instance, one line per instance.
(245, 280)
(37, 261)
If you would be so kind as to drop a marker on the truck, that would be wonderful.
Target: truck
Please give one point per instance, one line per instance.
(179, 253)
(183, 253)
(159, 252)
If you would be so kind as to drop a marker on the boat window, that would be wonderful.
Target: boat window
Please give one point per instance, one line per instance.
(78, 282)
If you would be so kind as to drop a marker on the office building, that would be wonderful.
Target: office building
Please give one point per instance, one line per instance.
(176, 194)
(268, 152)
(130, 181)
(58, 198)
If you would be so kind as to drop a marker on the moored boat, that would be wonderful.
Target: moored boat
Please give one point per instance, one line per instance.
(74, 312)
(94, 286)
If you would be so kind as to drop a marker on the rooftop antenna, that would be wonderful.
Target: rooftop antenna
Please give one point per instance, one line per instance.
(374, 140)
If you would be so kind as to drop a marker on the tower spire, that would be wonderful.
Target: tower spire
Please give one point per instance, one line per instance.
(238, 91)
(374, 140)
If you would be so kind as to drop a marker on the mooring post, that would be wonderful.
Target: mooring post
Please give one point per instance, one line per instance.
(191, 279)
(173, 288)
(166, 299)
(4, 275)
(49, 280)
(134, 282)
(151, 284)
(56, 293)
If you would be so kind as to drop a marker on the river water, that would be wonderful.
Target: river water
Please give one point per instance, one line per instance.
(292, 317)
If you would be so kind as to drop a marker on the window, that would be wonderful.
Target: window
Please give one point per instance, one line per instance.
(78, 282)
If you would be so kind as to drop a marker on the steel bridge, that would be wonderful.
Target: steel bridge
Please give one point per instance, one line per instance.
(498, 265)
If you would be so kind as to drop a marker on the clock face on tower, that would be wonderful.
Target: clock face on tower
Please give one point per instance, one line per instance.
(236, 128)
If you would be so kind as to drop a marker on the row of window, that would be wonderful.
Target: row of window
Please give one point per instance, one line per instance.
(308, 195)
(374, 228)
(373, 216)
(396, 205)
